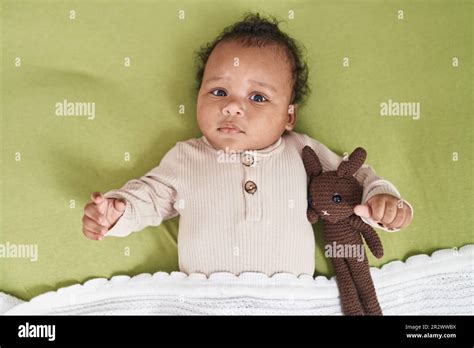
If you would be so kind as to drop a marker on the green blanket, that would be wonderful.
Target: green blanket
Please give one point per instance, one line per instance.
(369, 61)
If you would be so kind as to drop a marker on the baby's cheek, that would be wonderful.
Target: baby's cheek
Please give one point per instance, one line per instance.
(204, 118)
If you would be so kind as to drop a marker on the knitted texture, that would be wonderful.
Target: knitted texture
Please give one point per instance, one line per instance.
(332, 197)
(440, 284)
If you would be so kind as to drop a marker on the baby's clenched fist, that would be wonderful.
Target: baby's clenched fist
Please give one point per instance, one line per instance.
(389, 211)
(100, 215)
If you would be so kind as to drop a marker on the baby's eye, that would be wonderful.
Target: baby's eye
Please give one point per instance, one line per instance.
(258, 98)
(219, 93)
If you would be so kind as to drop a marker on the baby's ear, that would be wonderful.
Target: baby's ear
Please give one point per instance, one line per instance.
(311, 162)
(352, 165)
(292, 111)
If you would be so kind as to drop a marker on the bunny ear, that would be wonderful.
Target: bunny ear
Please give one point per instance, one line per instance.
(311, 162)
(355, 161)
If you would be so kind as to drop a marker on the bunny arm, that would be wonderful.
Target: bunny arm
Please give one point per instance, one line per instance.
(312, 215)
(369, 234)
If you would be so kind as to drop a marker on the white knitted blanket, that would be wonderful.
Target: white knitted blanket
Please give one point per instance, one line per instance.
(442, 283)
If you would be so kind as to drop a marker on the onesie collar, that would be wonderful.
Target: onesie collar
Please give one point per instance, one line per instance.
(268, 151)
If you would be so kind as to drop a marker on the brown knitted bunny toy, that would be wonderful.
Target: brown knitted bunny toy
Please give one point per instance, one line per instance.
(332, 197)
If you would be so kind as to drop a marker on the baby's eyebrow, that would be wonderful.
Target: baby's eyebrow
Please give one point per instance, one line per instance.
(264, 84)
(260, 83)
(217, 78)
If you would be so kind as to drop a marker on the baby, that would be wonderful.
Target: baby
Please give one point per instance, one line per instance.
(241, 188)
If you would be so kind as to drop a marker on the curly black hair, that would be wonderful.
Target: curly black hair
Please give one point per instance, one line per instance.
(253, 30)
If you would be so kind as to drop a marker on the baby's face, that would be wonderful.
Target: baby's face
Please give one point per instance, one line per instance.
(244, 99)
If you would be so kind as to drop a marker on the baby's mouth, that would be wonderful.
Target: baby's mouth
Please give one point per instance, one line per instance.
(230, 129)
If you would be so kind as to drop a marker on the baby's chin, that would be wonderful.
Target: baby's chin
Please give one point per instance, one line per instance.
(233, 145)
(230, 142)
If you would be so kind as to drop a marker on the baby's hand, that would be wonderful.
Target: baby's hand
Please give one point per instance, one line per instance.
(387, 210)
(100, 215)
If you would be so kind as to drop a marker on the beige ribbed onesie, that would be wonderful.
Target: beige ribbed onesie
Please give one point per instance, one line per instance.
(238, 212)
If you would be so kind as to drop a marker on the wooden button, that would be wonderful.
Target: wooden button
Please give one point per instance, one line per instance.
(250, 187)
(247, 159)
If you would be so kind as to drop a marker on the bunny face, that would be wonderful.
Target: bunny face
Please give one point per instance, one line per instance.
(332, 197)
(334, 194)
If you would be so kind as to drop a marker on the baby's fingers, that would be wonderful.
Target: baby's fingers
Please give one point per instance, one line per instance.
(93, 226)
(119, 205)
(91, 235)
(408, 217)
(399, 219)
(97, 197)
(94, 214)
(100, 201)
(390, 212)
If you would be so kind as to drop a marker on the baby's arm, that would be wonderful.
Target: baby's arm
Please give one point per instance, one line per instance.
(150, 199)
(373, 184)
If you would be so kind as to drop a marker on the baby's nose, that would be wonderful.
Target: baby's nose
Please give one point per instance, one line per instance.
(232, 109)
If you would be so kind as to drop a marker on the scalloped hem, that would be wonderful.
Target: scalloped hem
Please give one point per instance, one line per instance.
(442, 283)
